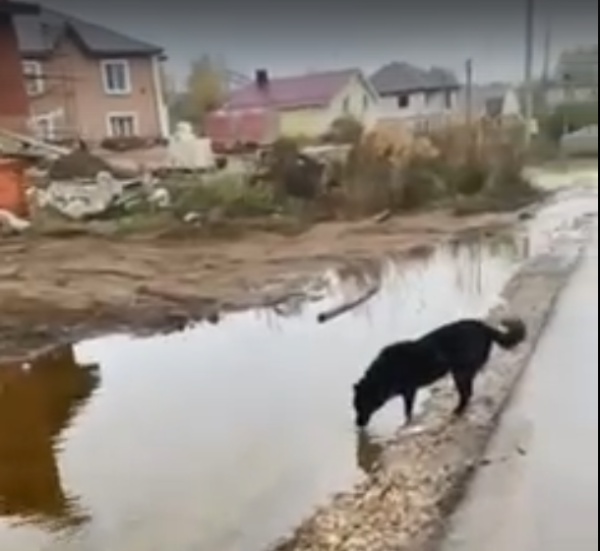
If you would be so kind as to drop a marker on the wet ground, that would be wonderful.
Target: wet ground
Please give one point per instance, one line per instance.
(540, 489)
(222, 437)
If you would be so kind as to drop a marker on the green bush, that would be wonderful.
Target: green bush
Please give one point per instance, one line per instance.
(228, 194)
(568, 117)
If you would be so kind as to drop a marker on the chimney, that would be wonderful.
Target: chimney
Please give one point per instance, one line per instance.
(262, 79)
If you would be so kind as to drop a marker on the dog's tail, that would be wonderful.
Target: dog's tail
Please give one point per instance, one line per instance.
(512, 333)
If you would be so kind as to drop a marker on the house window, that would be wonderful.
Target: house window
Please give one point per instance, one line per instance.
(346, 106)
(403, 101)
(448, 99)
(44, 127)
(34, 78)
(116, 77)
(122, 125)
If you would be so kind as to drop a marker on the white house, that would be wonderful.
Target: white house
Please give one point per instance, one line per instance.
(422, 99)
(492, 101)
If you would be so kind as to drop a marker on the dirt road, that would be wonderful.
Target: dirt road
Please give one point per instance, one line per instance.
(48, 284)
(540, 489)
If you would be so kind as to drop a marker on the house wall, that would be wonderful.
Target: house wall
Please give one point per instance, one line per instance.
(511, 105)
(308, 122)
(358, 101)
(430, 107)
(354, 100)
(14, 105)
(73, 91)
(571, 94)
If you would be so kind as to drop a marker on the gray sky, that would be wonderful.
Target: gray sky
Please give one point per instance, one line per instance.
(289, 36)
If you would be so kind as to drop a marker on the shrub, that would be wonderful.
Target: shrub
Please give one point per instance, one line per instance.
(453, 163)
(469, 169)
(228, 194)
(345, 130)
(568, 117)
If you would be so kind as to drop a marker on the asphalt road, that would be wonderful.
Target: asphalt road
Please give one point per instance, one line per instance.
(539, 488)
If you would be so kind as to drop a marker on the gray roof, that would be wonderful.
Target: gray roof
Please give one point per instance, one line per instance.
(17, 8)
(578, 66)
(396, 78)
(38, 35)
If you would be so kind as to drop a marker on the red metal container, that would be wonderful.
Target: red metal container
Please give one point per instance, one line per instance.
(250, 126)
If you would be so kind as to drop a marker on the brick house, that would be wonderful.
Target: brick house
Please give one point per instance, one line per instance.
(13, 98)
(87, 81)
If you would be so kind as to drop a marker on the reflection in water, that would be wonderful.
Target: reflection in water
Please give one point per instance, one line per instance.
(38, 401)
(468, 256)
(369, 452)
(222, 437)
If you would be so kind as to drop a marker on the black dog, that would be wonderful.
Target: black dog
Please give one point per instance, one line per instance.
(460, 349)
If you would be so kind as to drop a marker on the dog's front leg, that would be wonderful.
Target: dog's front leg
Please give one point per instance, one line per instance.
(409, 397)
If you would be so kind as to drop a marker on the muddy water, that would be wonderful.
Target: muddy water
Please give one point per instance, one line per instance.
(222, 437)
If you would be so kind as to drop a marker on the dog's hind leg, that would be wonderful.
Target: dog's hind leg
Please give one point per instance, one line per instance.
(409, 405)
(463, 381)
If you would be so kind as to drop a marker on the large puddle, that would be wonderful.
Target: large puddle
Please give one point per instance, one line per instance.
(222, 437)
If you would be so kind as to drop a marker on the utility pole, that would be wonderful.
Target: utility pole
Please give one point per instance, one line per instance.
(547, 54)
(546, 84)
(469, 91)
(529, 58)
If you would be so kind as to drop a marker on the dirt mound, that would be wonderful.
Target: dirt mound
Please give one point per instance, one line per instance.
(79, 164)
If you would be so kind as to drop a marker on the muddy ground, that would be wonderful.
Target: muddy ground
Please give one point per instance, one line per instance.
(55, 287)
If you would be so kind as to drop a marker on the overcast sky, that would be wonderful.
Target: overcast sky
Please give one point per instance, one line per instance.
(289, 36)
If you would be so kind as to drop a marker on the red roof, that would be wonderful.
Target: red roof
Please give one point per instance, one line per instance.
(310, 90)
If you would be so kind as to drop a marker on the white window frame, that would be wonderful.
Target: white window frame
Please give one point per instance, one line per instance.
(122, 115)
(50, 120)
(123, 64)
(33, 73)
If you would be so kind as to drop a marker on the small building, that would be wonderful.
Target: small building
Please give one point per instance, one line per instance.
(295, 106)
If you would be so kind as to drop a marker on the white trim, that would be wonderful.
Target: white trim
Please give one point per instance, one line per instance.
(33, 72)
(125, 65)
(159, 93)
(50, 119)
(122, 114)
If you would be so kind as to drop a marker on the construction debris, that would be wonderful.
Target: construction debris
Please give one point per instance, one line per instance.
(11, 224)
(78, 164)
(80, 199)
(189, 152)
(14, 143)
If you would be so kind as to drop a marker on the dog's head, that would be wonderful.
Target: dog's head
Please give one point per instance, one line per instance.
(368, 398)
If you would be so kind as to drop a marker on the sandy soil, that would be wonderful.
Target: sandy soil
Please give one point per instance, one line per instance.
(50, 287)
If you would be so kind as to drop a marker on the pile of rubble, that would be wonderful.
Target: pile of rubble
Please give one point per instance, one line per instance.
(75, 183)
